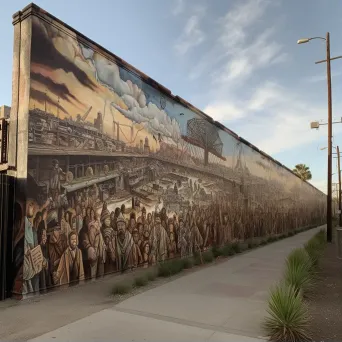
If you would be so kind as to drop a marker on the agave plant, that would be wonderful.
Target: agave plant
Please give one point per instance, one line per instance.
(288, 316)
(298, 271)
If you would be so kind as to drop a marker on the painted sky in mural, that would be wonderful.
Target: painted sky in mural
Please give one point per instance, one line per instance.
(70, 79)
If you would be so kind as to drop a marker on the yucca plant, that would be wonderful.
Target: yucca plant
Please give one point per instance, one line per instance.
(288, 316)
(299, 276)
(314, 247)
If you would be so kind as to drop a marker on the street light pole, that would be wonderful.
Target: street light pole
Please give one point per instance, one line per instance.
(339, 185)
(316, 125)
(329, 197)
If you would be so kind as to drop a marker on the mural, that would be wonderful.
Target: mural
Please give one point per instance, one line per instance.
(122, 175)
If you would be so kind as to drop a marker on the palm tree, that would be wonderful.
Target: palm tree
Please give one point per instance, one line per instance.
(303, 171)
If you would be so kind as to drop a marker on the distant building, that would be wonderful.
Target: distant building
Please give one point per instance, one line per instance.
(98, 122)
(146, 146)
(5, 112)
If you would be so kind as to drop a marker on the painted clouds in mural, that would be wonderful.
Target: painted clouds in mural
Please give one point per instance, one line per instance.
(121, 176)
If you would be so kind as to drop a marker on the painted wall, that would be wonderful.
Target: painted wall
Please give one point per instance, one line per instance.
(121, 174)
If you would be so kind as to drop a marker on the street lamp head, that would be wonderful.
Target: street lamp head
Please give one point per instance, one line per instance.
(314, 125)
(303, 41)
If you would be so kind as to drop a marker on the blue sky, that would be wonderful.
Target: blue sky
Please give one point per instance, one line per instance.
(237, 60)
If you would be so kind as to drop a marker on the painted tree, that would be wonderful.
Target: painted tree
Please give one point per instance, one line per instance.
(303, 171)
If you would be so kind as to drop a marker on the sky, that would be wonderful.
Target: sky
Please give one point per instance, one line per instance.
(236, 60)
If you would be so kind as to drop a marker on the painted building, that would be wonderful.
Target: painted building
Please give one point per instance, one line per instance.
(115, 172)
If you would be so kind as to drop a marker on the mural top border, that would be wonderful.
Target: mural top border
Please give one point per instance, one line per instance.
(33, 9)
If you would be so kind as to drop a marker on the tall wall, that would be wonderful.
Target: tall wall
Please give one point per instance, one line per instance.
(119, 173)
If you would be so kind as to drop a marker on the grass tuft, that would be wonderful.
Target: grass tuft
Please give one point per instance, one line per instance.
(140, 281)
(170, 267)
(121, 288)
(208, 256)
(187, 263)
(236, 247)
(288, 316)
(216, 251)
(152, 275)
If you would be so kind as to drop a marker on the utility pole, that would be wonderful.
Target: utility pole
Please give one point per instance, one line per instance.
(329, 197)
(328, 61)
(339, 185)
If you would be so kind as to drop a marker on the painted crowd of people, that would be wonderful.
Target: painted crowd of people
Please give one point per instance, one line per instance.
(74, 236)
(89, 241)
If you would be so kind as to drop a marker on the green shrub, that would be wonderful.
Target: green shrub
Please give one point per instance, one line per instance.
(208, 256)
(252, 245)
(121, 288)
(291, 233)
(152, 275)
(177, 266)
(288, 316)
(236, 247)
(216, 251)
(170, 267)
(270, 239)
(140, 281)
(187, 263)
(263, 242)
(225, 250)
(197, 258)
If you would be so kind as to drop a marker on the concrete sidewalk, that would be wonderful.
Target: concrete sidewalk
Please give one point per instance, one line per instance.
(224, 302)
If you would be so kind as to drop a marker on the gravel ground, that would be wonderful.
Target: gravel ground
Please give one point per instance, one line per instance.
(325, 304)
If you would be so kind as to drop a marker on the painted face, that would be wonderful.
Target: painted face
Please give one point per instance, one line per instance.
(147, 248)
(74, 223)
(121, 227)
(136, 237)
(107, 222)
(144, 214)
(30, 210)
(172, 237)
(73, 241)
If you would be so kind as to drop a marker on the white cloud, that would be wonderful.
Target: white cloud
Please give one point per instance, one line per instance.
(246, 58)
(179, 7)
(192, 34)
(238, 20)
(273, 118)
(239, 46)
(224, 111)
(323, 77)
